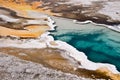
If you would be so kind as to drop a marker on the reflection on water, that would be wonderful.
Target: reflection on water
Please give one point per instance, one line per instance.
(99, 43)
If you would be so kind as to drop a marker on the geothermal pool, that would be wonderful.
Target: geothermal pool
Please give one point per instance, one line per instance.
(99, 43)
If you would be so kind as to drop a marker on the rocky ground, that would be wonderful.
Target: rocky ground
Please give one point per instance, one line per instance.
(54, 59)
(12, 68)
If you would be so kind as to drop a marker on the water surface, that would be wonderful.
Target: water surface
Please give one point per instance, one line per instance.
(99, 43)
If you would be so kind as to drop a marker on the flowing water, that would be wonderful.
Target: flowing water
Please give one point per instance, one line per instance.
(99, 43)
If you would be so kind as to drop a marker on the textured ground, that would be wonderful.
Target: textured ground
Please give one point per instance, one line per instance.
(12, 68)
(52, 58)
(99, 11)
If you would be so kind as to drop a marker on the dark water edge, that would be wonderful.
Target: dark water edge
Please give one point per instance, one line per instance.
(98, 43)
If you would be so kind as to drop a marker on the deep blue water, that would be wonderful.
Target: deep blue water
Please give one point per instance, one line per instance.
(99, 43)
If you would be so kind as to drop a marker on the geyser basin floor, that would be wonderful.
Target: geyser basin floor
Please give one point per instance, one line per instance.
(53, 58)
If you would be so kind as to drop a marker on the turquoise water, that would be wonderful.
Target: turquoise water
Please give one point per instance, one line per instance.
(100, 44)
